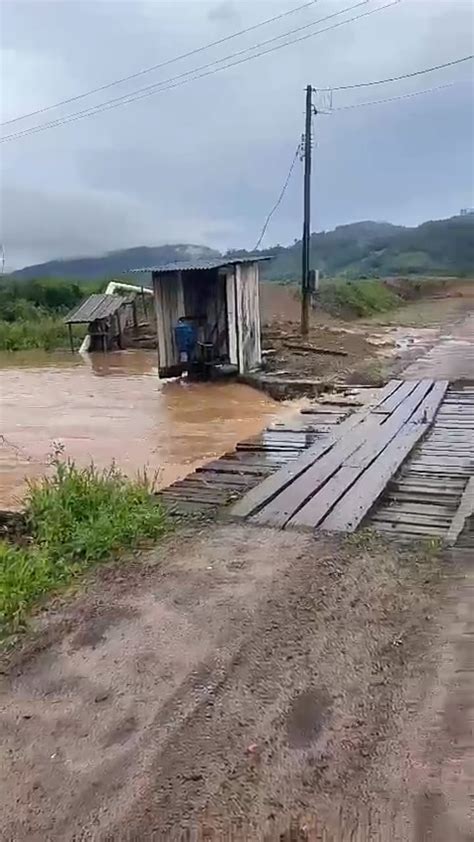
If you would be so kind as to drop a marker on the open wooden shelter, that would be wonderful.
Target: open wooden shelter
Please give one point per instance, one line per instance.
(218, 300)
(105, 316)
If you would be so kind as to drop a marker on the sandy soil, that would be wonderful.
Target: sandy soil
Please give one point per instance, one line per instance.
(238, 678)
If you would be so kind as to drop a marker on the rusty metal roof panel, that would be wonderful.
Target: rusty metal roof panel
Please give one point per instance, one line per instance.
(203, 265)
(97, 306)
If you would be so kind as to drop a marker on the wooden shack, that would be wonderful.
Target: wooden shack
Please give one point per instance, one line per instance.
(220, 298)
(106, 317)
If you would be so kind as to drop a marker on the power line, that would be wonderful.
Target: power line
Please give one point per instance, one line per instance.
(280, 197)
(344, 108)
(394, 98)
(162, 86)
(398, 78)
(160, 65)
(156, 87)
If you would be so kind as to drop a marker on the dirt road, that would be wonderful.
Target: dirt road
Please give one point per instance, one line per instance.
(242, 683)
(452, 357)
(240, 678)
(372, 349)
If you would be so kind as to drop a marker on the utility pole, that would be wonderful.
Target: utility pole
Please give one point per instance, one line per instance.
(305, 290)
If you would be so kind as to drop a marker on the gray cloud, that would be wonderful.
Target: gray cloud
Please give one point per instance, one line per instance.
(205, 161)
(39, 224)
(225, 11)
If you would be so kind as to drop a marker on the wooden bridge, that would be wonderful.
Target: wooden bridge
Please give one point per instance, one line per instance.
(336, 482)
(401, 463)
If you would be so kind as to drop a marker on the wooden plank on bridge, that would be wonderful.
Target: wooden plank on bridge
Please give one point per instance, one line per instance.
(228, 466)
(356, 463)
(336, 482)
(348, 514)
(396, 398)
(274, 485)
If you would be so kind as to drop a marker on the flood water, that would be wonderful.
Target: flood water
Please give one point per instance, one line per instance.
(114, 407)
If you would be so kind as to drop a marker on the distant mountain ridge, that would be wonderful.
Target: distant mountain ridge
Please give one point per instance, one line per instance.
(354, 250)
(114, 262)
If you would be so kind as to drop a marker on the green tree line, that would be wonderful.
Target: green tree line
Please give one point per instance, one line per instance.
(31, 312)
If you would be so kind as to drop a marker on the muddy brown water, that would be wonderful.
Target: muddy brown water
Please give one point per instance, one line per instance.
(114, 407)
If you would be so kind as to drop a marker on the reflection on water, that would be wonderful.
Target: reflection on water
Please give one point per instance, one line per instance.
(112, 406)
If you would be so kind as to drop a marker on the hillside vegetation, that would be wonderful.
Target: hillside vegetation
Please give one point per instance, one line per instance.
(370, 249)
(444, 247)
(31, 312)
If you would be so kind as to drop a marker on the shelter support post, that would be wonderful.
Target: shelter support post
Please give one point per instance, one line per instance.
(71, 338)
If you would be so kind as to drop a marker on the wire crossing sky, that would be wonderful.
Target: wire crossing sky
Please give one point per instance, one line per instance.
(205, 162)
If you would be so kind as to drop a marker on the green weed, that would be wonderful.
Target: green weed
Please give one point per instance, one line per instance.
(365, 539)
(75, 518)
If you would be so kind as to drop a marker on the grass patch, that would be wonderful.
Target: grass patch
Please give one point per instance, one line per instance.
(47, 333)
(75, 518)
(355, 299)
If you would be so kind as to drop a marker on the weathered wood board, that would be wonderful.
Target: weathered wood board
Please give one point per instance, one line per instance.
(348, 514)
(435, 478)
(335, 483)
(249, 351)
(169, 304)
(264, 493)
(363, 477)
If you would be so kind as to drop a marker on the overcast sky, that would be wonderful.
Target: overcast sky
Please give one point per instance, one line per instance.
(205, 161)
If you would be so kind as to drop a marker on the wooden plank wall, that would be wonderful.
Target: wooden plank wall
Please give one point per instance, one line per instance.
(217, 316)
(169, 304)
(248, 316)
(231, 317)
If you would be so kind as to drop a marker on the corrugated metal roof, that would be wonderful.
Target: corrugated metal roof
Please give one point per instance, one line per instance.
(190, 265)
(97, 306)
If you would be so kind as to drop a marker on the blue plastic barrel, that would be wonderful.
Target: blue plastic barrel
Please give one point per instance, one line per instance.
(185, 334)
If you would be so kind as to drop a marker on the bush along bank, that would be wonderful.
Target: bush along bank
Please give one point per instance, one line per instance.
(74, 519)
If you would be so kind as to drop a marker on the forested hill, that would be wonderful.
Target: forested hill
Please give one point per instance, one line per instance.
(444, 246)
